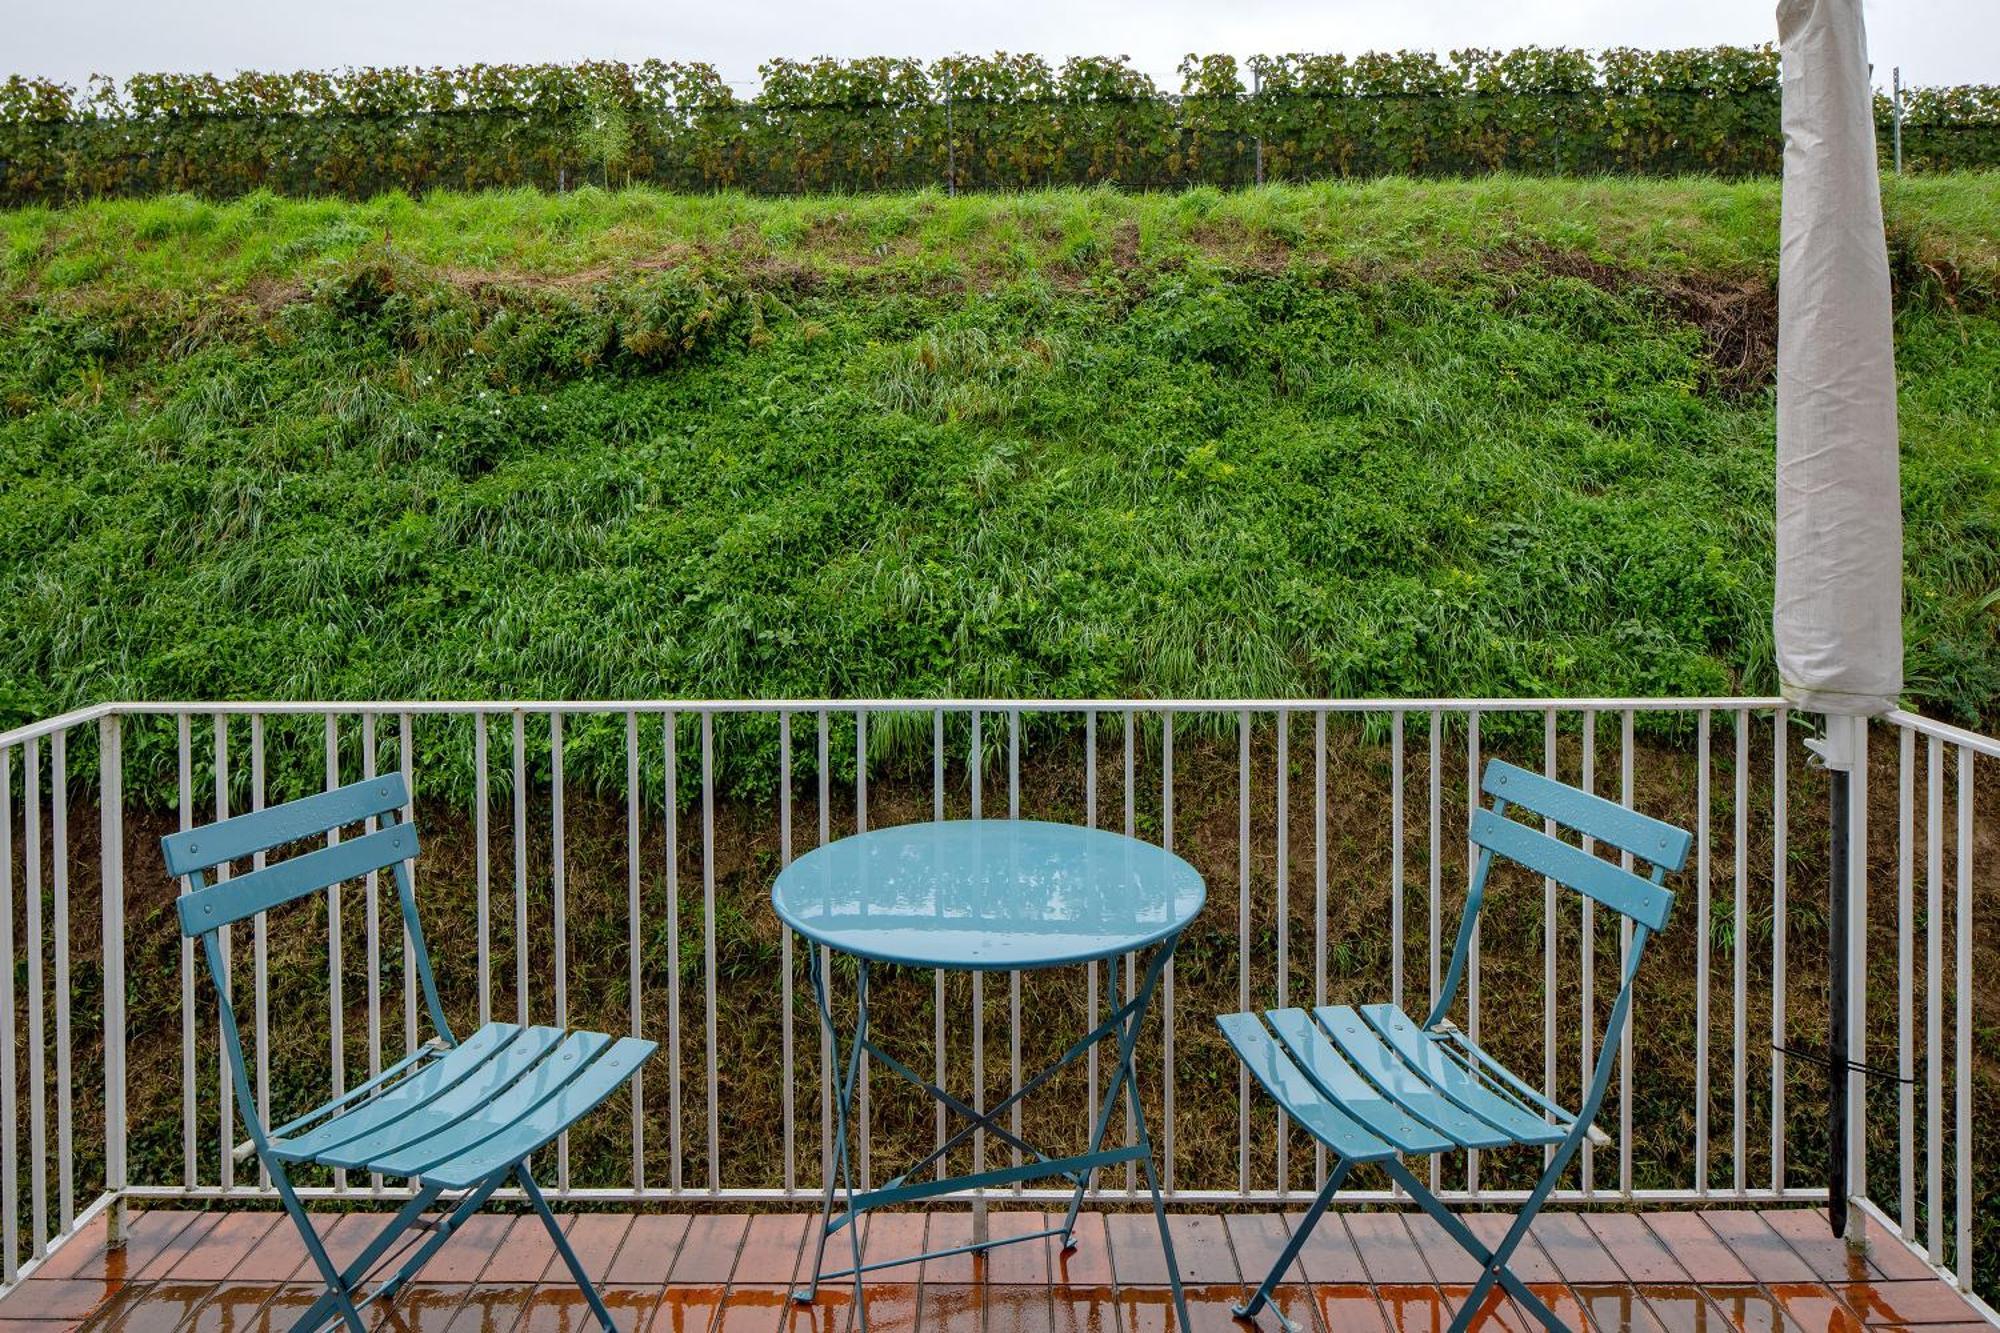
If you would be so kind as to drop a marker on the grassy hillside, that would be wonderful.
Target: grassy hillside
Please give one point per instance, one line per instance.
(1491, 437)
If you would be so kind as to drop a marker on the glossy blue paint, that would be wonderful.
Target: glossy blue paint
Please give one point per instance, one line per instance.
(988, 895)
(1651, 840)
(1437, 1060)
(1618, 889)
(234, 900)
(260, 830)
(1306, 1043)
(1289, 1086)
(451, 1116)
(1390, 1071)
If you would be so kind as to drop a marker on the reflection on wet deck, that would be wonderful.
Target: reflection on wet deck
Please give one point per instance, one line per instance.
(1682, 1272)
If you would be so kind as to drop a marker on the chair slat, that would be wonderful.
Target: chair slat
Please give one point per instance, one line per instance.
(1400, 1031)
(1404, 1084)
(232, 900)
(1287, 1083)
(1649, 839)
(464, 1126)
(418, 1120)
(578, 1098)
(434, 1079)
(232, 839)
(1360, 1098)
(1617, 888)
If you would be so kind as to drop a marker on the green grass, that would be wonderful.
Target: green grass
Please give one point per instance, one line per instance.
(1394, 437)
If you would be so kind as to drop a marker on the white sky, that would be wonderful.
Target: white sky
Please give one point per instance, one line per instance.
(1935, 41)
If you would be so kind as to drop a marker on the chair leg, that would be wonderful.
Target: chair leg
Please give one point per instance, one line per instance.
(1493, 1263)
(446, 1228)
(338, 1298)
(562, 1246)
(1248, 1309)
(1145, 1138)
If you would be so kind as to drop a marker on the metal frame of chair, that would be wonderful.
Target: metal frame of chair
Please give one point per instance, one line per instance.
(1372, 1084)
(456, 1118)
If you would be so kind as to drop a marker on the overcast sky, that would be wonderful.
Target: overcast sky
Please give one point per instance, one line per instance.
(1935, 41)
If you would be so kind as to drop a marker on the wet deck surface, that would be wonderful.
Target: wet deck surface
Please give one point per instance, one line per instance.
(1777, 1271)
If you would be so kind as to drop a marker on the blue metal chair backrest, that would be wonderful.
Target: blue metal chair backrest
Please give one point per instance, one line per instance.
(1642, 899)
(206, 908)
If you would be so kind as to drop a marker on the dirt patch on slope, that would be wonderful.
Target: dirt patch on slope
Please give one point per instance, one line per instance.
(1736, 316)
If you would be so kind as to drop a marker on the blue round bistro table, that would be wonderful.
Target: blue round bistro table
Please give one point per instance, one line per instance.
(987, 895)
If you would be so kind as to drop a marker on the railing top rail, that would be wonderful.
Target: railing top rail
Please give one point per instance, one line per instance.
(48, 726)
(504, 706)
(1944, 731)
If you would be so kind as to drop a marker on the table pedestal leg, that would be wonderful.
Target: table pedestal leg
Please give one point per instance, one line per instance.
(1125, 1024)
(843, 1100)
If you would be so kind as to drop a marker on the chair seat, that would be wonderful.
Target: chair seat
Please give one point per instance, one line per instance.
(456, 1118)
(1371, 1083)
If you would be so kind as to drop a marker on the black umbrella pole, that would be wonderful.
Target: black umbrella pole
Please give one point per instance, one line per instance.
(1836, 984)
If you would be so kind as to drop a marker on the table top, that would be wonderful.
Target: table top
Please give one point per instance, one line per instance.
(988, 894)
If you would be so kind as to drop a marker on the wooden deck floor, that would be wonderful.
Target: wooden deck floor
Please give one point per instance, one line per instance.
(1776, 1272)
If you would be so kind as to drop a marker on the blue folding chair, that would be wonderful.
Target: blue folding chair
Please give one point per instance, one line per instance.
(1372, 1084)
(454, 1117)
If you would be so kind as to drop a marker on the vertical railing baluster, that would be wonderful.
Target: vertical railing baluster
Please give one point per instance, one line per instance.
(1319, 885)
(31, 878)
(372, 923)
(260, 951)
(1739, 1009)
(1780, 836)
(786, 1000)
(185, 794)
(1962, 1120)
(1437, 882)
(937, 974)
(111, 865)
(1242, 941)
(1934, 1000)
(826, 1066)
(1131, 960)
(225, 1094)
(521, 950)
(559, 904)
(1550, 771)
(1014, 974)
(976, 763)
(10, 1204)
(59, 876)
(1703, 794)
(635, 972)
(481, 866)
(708, 944)
(1167, 973)
(1090, 971)
(1625, 794)
(1283, 799)
(1472, 952)
(1906, 1157)
(406, 764)
(864, 1123)
(671, 812)
(335, 1004)
(1587, 961)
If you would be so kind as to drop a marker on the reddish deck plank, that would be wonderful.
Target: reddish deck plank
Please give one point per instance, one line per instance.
(1664, 1272)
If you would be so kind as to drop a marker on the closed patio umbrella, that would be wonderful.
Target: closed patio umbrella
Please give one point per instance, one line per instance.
(1837, 611)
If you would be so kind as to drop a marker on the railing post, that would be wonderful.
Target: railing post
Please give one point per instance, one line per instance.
(1843, 753)
(111, 866)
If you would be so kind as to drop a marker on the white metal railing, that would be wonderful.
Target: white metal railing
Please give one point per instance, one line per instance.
(1382, 785)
